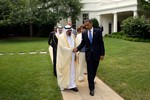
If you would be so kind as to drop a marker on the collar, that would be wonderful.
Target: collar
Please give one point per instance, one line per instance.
(91, 29)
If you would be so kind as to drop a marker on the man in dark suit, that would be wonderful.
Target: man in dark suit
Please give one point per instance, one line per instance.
(53, 42)
(94, 51)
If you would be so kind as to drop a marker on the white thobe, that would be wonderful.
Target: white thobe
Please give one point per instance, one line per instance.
(72, 67)
(65, 64)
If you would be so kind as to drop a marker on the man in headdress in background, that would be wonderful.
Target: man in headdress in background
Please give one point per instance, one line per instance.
(66, 60)
(73, 30)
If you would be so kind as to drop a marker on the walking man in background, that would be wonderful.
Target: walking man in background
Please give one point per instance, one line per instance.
(52, 41)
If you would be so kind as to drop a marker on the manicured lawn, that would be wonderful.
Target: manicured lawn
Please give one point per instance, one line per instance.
(26, 77)
(126, 69)
(25, 44)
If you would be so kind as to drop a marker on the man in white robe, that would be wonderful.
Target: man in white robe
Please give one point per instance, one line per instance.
(66, 60)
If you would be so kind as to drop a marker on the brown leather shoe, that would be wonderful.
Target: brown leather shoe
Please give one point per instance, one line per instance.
(74, 89)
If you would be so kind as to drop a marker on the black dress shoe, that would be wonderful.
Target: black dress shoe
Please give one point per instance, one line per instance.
(92, 92)
(74, 89)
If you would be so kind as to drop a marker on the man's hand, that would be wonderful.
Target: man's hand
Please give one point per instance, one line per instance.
(101, 57)
(75, 50)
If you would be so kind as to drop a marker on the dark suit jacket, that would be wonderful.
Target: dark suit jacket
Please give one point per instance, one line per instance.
(96, 48)
(53, 41)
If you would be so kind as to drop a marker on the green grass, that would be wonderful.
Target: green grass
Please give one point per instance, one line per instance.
(17, 45)
(126, 69)
(27, 77)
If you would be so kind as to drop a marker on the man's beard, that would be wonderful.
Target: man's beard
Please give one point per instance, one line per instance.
(69, 34)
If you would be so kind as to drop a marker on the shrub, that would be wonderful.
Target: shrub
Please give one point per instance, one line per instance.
(137, 27)
(118, 33)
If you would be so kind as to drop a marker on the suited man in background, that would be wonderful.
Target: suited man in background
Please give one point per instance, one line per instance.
(52, 41)
(94, 51)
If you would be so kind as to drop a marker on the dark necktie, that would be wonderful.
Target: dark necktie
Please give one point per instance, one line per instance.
(90, 36)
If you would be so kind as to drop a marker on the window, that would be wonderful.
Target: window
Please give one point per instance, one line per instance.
(85, 16)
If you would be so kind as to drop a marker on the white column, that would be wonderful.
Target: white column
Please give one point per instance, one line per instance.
(135, 14)
(115, 22)
(100, 19)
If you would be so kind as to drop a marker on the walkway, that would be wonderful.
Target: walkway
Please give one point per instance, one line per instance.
(102, 92)
(23, 53)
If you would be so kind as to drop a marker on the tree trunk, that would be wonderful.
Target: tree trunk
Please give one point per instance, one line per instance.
(31, 30)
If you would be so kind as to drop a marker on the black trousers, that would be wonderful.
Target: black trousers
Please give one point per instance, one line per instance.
(54, 61)
(92, 66)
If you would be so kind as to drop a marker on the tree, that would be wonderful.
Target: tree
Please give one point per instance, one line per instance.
(144, 6)
(55, 10)
(5, 12)
(61, 9)
(37, 12)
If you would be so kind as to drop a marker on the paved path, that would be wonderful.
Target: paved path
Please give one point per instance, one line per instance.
(102, 92)
(23, 53)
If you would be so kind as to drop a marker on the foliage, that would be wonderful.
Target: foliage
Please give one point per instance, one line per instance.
(36, 12)
(144, 7)
(121, 35)
(5, 12)
(66, 8)
(137, 27)
(95, 23)
(144, 4)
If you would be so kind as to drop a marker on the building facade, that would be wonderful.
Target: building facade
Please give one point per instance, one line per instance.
(109, 13)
